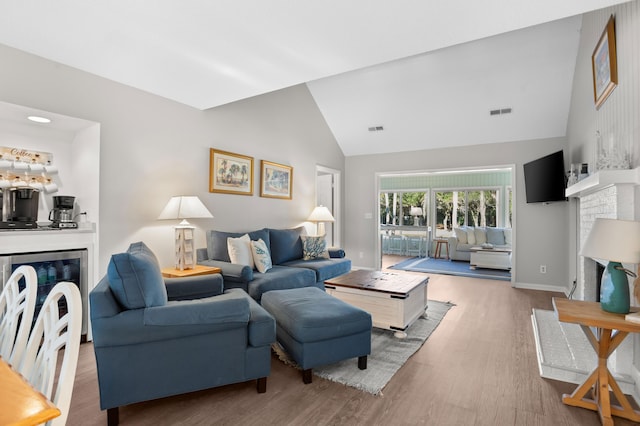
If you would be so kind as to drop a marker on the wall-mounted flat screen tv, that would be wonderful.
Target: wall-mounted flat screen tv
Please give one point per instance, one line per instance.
(545, 179)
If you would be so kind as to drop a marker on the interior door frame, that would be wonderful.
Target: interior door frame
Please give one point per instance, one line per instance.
(336, 200)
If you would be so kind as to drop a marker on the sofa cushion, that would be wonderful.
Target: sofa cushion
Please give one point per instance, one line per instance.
(324, 268)
(286, 244)
(314, 247)
(495, 236)
(240, 251)
(461, 235)
(261, 255)
(471, 235)
(508, 240)
(135, 278)
(217, 242)
(481, 235)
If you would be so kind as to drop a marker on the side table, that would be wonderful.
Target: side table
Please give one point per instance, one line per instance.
(439, 243)
(611, 331)
(196, 270)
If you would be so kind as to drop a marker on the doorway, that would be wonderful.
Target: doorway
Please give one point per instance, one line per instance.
(328, 195)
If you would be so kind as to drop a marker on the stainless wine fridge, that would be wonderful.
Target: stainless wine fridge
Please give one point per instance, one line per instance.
(52, 267)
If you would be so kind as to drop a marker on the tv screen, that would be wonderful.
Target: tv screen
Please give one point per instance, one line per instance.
(545, 179)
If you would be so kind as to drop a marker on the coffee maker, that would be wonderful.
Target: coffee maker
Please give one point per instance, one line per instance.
(62, 214)
(19, 207)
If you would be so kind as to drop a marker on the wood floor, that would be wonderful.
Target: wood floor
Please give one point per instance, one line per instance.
(477, 368)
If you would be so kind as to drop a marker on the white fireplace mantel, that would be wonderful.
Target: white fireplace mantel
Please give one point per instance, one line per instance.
(603, 179)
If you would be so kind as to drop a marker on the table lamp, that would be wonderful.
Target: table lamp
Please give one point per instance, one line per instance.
(184, 207)
(616, 241)
(320, 215)
(416, 212)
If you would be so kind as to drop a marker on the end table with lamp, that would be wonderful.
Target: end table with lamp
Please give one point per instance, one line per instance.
(618, 242)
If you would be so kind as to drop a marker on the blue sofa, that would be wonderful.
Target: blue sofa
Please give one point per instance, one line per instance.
(155, 338)
(290, 270)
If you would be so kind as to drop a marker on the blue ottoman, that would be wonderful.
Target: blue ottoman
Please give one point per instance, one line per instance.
(318, 329)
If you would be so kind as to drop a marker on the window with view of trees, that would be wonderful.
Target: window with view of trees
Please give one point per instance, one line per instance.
(399, 208)
(474, 207)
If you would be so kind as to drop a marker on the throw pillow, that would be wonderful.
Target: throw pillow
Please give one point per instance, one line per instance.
(135, 278)
(314, 247)
(495, 236)
(461, 235)
(240, 250)
(217, 242)
(286, 244)
(261, 255)
(471, 235)
(481, 235)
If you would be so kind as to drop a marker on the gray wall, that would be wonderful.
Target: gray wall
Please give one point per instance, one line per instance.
(620, 114)
(540, 230)
(153, 148)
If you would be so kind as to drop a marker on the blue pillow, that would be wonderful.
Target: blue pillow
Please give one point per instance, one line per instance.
(286, 244)
(217, 242)
(495, 236)
(135, 278)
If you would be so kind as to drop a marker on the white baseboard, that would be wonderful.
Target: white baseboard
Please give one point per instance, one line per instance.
(542, 287)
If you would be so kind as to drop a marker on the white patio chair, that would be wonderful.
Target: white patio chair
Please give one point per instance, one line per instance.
(50, 334)
(16, 313)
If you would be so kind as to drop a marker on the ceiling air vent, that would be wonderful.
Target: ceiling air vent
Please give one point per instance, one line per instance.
(376, 129)
(500, 111)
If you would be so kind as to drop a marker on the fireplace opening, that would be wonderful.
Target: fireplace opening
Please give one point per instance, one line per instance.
(599, 272)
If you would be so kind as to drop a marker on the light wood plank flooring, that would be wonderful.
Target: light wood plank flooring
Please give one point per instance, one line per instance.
(477, 368)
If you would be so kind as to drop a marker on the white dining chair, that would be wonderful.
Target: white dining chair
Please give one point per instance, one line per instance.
(54, 330)
(17, 308)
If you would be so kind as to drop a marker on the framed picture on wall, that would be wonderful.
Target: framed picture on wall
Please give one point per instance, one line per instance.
(276, 180)
(230, 173)
(604, 64)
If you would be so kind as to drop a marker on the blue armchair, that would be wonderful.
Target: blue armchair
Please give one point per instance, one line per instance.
(155, 338)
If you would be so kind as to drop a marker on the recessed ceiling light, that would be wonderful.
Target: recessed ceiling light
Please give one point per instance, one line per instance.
(38, 119)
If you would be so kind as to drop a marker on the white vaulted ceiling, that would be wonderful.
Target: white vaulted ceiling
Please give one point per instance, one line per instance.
(428, 71)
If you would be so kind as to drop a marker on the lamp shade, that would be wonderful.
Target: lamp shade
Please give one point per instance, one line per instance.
(321, 214)
(613, 240)
(415, 211)
(185, 207)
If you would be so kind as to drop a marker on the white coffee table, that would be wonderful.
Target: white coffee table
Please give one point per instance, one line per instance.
(492, 258)
(394, 301)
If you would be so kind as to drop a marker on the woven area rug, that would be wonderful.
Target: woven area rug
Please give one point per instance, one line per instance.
(388, 353)
(450, 267)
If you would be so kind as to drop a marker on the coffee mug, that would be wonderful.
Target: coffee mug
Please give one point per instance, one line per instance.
(50, 188)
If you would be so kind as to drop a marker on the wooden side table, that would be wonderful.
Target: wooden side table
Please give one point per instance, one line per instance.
(439, 243)
(611, 331)
(196, 270)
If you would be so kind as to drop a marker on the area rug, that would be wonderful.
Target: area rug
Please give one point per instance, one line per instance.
(388, 353)
(450, 267)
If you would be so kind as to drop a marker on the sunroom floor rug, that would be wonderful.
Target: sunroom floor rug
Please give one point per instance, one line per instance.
(388, 353)
(450, 267)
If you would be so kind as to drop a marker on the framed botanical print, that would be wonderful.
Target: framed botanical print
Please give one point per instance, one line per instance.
(276, 180)
(230, 173)
(604, 64)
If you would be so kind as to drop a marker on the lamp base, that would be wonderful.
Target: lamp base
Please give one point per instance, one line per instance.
(614, 289)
